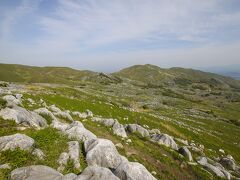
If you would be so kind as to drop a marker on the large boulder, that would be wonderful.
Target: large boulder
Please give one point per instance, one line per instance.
(23, 117)
(15, 141)
(132, 128)
(12, 100)
(185, 152)
(164, 139)
(132, 171)
(37, 172)
(96, 173)
(102, 152)
(78, 131)
(119, 130)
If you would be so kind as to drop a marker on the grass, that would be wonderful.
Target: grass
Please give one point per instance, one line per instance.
(211, 128)
(49, 140)
(3, 103)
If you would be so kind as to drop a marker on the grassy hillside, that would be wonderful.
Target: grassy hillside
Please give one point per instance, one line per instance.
(61, 75)
(176, 76)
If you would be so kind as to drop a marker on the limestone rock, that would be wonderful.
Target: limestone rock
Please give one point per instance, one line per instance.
(70, 176)
(59, 125)
(132, 171)
(38, 172)
(164, 139)
(98, 173)
(119, 130)
(102, 152)
(15, 141)
(185, 152)
(45, 112)
(218, 171)
(78, 131)
(74, 150)
(23, 117)
(55, 109)
(132, 128)
(104, 121)
(11, 100)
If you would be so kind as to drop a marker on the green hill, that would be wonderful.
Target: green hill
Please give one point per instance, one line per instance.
(154, 75)
(143, 74)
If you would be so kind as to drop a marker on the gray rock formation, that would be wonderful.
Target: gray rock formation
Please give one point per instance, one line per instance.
(78, 131)
(185, 152)
(74, 150)
(23, 117)
(132, 171)
(215, 169)
(12, 101)
(45, 112)
(70, 176)
(102, 152)
(104, 121)
(59, 125)
(35, 172)
(61, 114)
(12, 142)
(96, 173)
(119, 130)
(132, 128)
(164, 139)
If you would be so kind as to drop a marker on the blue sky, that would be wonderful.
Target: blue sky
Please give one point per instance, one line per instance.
(105, 35)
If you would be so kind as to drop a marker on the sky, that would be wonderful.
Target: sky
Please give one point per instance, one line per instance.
(107, 35)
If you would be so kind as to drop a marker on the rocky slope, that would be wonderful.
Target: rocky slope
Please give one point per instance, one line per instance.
(120, 129)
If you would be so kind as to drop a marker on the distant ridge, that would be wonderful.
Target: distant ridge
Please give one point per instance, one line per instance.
(146, 74)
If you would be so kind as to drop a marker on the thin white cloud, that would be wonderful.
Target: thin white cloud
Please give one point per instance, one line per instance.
(79, 32)
(10, 17)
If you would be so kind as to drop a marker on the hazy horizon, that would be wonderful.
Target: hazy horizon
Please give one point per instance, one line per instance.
(106, 36)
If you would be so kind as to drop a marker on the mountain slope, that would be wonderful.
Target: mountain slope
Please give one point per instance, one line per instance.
(21, 73)
(150, 74)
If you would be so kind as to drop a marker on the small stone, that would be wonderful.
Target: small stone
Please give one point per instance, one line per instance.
(119, 145)
(5, 166)
(221, 151)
